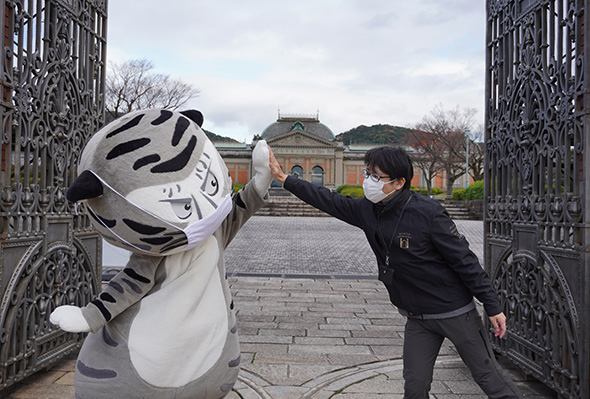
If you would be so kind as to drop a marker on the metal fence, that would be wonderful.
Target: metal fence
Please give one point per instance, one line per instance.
(536, 205)
(52, 82)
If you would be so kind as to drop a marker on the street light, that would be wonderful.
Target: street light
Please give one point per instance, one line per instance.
(466, 158)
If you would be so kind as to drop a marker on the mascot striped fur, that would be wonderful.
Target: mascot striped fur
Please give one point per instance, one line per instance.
(165, 326)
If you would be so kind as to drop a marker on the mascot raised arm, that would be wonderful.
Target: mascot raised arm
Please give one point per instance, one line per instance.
(165, 326)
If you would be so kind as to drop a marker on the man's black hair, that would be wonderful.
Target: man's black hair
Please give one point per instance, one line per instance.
(393, 161)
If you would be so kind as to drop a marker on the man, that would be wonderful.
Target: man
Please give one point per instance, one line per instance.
(426, 265)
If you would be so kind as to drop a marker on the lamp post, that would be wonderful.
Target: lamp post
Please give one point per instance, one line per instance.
(466, 157)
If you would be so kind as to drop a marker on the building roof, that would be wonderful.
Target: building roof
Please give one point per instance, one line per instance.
(289, 123)
(231, 145)
(361, 147)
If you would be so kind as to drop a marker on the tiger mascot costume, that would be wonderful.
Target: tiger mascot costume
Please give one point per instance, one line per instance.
(165, 326)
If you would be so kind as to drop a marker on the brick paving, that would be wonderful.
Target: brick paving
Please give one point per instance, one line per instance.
(331, 333)
(291, 246)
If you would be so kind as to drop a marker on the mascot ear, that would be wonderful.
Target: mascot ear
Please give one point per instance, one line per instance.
(86, 186)
(194, 115)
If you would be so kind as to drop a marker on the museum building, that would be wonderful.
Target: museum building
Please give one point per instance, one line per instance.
(306, 149)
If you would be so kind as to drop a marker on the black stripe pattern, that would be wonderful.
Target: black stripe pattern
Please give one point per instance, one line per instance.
(129, 125)
(141, 162)
(178, 162)
(136, 276)
(127, 147)
(164, 116)
(103, 310)
(95, 373)
(181, 125)
(143, 228)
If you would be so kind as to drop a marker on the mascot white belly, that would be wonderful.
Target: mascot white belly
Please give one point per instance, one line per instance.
(199, 311)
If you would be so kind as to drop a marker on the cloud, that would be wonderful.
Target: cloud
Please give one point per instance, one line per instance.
(357, 61)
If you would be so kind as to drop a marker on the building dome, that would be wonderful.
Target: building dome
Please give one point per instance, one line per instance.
(307, 123)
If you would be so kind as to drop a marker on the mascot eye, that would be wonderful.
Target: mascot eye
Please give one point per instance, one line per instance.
(211, 185)
(183, 209)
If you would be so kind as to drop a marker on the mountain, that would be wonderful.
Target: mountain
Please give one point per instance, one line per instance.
(217, 138)
(376, 134)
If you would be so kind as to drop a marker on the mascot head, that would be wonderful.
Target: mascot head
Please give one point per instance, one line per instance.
(153, 182)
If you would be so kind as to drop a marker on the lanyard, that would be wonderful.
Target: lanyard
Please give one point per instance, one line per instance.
(394, 231)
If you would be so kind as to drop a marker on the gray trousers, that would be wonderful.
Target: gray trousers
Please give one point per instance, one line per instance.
(422, 342)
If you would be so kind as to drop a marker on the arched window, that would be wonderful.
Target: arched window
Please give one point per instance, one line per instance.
(317, 175)
(297, 171)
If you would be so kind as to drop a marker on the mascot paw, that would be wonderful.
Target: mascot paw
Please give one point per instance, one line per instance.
(260, 156)
(260, 163)
(69, 318)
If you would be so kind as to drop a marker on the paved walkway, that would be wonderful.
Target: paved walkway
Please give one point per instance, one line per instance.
(314, 322)
(312, 247)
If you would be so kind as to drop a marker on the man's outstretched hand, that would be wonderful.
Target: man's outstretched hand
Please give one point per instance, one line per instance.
(275, 168)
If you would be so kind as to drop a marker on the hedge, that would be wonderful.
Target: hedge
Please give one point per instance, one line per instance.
(353, 191)
(459, 194)
(424, 191)
(474, 191)
(346, 186)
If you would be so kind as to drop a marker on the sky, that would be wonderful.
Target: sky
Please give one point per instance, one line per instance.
(355, 62)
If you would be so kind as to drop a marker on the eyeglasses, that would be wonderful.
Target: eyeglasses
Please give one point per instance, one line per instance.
(372, 176)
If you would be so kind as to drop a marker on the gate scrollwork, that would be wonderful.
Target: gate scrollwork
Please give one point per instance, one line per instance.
(59, 275)
(545, 324)
(52, 99)
(535, 216)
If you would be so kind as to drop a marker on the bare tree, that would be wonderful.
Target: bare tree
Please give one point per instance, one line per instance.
(447, 129)
(132, 85)
(425, 155)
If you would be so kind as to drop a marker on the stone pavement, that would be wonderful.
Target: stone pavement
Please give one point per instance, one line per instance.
(313, 246)
(314, 322)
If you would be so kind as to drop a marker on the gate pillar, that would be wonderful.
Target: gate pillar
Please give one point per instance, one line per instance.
(537, 219)
(52, 86)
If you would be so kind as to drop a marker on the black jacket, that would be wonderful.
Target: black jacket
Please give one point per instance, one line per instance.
(431, 268)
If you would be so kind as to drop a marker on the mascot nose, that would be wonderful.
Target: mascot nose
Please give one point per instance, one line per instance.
(86, 186)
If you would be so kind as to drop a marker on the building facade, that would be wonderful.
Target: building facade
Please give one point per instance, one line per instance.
(306, 149)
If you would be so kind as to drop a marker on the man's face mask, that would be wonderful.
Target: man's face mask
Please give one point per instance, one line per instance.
(374, 190)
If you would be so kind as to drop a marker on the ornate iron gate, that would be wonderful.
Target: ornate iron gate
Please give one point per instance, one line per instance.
(52, 77)
(537, 163)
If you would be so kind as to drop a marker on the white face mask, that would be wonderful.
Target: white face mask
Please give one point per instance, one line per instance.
(203, 228)
(374, 190)
(196, 232)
